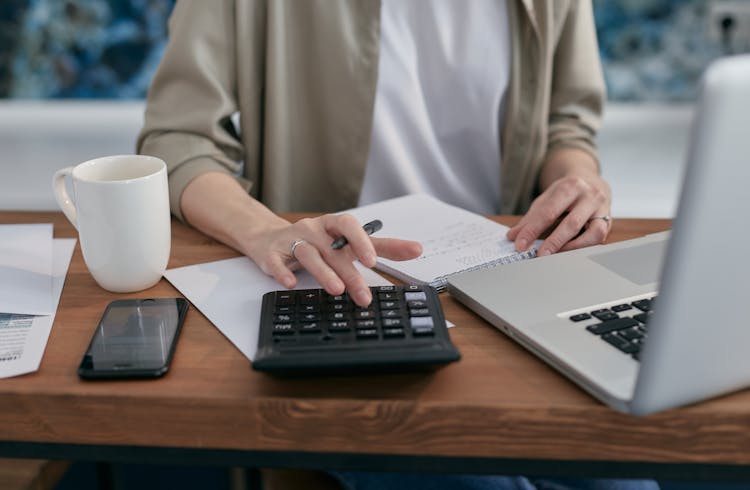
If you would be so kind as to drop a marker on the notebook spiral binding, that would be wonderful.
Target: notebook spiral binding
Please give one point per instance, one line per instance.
(441, 283)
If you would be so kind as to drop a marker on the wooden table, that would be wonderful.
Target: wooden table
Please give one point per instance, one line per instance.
(498, 410)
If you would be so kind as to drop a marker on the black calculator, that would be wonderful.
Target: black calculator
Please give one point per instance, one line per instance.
(308, 330)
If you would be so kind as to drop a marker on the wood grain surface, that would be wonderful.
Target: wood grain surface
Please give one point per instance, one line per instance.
(499, 401)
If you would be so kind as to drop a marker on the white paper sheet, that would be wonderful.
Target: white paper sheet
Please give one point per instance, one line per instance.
(23, 338)
(26, 269)
(229, 292)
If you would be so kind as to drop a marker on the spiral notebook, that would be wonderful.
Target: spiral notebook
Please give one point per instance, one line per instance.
(454, 240)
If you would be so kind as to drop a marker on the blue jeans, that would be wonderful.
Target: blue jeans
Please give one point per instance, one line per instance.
(419, 481)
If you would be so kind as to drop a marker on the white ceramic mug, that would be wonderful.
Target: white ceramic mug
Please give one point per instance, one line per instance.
(120, 207)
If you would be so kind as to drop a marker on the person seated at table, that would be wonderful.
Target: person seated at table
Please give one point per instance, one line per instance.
(490, 105)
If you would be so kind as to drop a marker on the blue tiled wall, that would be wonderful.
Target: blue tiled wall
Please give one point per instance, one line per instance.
(651, 49)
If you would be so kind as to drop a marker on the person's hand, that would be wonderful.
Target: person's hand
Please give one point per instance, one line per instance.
(272, 250)
(576, 207)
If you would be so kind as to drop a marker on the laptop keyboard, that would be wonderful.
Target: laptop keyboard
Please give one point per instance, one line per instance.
(624, 326)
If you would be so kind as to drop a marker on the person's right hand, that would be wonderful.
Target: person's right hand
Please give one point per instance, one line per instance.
(270, 248)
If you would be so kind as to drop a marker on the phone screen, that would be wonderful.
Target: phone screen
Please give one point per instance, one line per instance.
(134, 337)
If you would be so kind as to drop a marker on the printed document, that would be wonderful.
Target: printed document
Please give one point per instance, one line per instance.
(23, 338)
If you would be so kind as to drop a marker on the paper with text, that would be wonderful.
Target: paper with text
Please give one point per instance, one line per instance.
(454, 239)
(23, 338)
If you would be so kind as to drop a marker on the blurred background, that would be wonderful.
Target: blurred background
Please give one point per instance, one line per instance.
(73, 75)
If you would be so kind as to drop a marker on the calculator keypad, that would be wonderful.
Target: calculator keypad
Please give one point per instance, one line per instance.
(403, 325)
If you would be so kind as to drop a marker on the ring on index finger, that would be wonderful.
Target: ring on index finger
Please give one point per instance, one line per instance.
(293, 246)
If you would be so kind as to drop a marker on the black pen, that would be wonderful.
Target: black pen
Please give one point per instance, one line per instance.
(369, 228)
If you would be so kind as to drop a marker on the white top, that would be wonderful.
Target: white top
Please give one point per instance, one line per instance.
(443, 72)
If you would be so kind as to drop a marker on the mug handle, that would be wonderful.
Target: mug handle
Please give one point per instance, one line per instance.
(62, 197)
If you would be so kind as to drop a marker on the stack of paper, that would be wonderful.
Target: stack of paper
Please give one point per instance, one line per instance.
(33, 267)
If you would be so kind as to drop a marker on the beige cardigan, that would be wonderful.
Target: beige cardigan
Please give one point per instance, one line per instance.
(303, 74)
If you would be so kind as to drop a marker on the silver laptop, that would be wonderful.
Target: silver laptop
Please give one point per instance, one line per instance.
(594, 313)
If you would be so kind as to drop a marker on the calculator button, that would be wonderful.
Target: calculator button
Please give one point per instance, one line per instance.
(390, 305)
(310, 317)
(309, 297)
(337, 299)
(367, 333)
(309, 309)
(422, 331)
(340, 326)
(340, 307)
(393, 332)
(416, 304)
(283, 329)
(365, 323)
(363, 314)
(392, 322)
(386, 288)
(421, 322)
(415, 296)
(285, 298)
(282, 318)
(284, 309)
(338, 316)
(313, 327)
(390, 314)
(387, 296)
(419, 312)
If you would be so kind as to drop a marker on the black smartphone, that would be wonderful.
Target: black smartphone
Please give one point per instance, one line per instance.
(134, 339)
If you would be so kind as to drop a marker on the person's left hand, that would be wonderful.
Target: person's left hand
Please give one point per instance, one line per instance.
(575, 206)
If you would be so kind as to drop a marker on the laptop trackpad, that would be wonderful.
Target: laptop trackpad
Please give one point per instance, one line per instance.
(640, 264)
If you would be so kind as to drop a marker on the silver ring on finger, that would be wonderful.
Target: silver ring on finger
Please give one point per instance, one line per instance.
(293, 246)
(605, 217)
